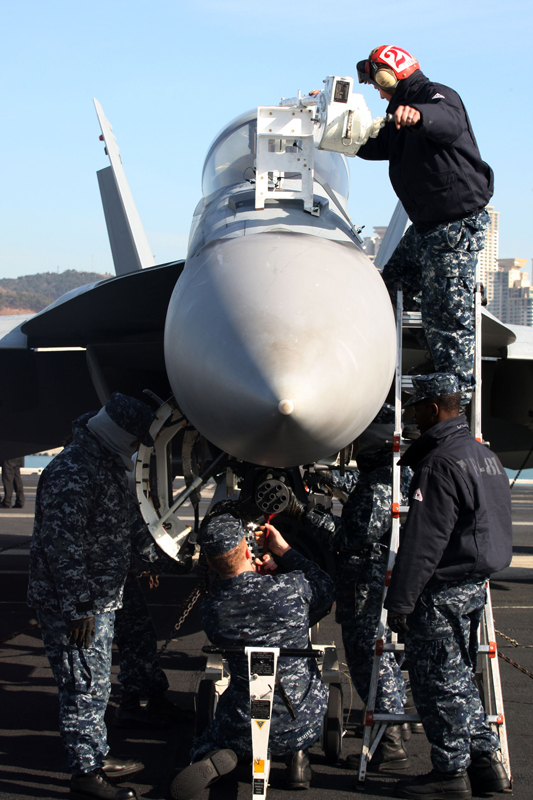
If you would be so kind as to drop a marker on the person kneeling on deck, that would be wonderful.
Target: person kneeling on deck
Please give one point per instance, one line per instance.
(248, 608)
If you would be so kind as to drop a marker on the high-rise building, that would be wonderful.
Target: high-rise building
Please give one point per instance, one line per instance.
(487, 262)
(512, 297)
(507, 285)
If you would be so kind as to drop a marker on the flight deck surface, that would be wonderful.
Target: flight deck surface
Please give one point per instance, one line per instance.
(31, 758)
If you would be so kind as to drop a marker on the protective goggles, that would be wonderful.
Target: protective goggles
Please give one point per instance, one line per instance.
(363, 71)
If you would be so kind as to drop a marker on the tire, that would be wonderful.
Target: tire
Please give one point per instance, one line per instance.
(205, 705)
(333, 724)
(313, 633)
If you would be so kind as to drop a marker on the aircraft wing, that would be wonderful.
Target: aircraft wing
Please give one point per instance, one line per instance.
(68, 359)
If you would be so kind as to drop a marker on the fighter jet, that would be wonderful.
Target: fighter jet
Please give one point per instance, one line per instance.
(279, 336)
(275, 339)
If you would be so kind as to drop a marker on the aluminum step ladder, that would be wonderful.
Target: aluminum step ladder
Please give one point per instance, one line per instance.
(488, 676)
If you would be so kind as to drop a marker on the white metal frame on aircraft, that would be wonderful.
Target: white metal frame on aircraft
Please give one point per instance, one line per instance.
(335, 119)
(285, 144)
(167, 529)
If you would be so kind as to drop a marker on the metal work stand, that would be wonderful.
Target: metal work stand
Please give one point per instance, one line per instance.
(263, 682)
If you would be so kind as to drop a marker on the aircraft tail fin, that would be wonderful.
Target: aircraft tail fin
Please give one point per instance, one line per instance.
(129, 244)
(395, 230)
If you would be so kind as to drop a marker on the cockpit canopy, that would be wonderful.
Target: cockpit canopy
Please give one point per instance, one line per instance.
(231, 159)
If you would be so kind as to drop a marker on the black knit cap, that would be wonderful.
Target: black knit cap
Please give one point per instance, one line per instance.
(131, 415)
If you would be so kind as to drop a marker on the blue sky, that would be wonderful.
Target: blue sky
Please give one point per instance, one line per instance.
(169, 75)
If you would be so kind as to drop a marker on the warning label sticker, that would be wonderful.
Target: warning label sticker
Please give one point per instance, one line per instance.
(260, 709)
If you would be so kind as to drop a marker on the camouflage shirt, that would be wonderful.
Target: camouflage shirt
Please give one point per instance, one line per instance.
(273, 611)
(360, 537)
(87, 523)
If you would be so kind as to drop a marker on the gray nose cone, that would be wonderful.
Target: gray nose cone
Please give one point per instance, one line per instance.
(279, 347)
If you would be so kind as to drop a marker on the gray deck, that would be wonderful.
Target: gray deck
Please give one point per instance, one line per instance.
(31, 755)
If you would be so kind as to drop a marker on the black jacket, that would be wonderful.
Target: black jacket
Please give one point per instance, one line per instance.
(435, 167)
(459, 520)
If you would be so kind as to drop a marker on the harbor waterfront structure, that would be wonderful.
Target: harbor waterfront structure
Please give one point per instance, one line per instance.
(512, 293)
(487, 263)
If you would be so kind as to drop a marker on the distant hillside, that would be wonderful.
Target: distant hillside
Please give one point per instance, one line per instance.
(31, 293)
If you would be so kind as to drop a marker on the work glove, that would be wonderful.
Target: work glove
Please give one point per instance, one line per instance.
(397, 622)
(81, 631)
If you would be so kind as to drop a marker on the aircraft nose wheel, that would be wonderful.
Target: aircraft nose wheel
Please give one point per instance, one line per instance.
(205, 704)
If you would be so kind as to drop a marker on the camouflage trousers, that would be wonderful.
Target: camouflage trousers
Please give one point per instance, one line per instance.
(441, 653)
(359, 639)
(83, 679)
(231, 726)
(136, 640)
(437, 270)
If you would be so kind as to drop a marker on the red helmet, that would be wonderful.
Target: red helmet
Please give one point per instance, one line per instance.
(385, 66)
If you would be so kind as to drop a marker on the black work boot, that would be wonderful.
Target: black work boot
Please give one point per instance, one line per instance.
(119, 769)
(299, 772)
(410, 708)
(406, 730)
(390, 753)
(487, 773)
(96, 786)
(202, 774)
(436, 786)
(130, 714)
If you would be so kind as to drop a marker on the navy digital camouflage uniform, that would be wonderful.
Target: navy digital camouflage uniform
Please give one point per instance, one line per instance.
(457, 532)
(441, 656)
(360, 539)
(274, 611)
(437, 270)
(87, 525)
(140, 673)
(83, 681)
(346, 483)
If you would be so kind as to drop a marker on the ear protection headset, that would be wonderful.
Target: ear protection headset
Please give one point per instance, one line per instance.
(385, 78)
(386, 66)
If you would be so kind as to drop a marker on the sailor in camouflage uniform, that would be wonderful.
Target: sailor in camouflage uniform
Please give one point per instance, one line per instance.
(360, 540)
(248, 608)
(141, 675)
(135, 637)
(458, 530)
(443, 184)
(437, 270)
(87, 526)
